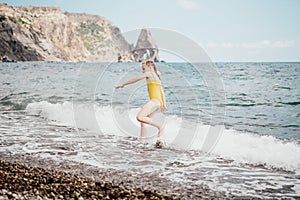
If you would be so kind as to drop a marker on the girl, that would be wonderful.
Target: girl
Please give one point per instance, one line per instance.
(156, 94)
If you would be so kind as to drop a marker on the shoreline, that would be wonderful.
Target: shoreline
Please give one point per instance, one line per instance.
(28, 177)
(163, 62)
(19, 180)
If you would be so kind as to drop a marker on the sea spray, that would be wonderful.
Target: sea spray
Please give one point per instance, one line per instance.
(241, 147)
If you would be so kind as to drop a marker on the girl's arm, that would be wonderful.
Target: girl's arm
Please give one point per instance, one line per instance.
(164, 107)
(133, 80)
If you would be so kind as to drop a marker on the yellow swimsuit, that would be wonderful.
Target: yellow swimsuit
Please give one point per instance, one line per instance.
(154, 89)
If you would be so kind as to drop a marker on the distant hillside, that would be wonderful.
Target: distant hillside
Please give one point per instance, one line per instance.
(48, 34)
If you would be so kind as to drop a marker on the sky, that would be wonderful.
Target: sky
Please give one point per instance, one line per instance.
(227, 30)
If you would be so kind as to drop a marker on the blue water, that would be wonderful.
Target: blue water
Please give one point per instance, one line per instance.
(47, 106)
(261, 98)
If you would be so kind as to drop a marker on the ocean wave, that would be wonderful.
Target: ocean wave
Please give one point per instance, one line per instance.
(11, 105)
(292, 103)
(240, 105)
(258, 149)
(230, 144)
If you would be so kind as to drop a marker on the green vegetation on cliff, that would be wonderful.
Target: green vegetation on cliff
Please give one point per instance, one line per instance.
(48, 34)
(92, 35)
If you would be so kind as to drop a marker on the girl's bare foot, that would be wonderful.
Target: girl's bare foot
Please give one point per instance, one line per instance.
(142, 140)
(161, 131)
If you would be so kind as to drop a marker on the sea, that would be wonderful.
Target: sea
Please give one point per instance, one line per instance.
(234, 127)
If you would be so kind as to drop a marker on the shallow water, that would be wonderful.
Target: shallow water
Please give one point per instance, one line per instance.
(71, 111)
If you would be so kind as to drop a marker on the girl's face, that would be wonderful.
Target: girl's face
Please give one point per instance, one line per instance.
(145, 67)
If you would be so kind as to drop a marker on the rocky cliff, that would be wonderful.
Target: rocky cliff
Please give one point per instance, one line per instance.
(48, 34)
(146, 48)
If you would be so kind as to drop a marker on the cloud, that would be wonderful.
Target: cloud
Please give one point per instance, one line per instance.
(222, 45)
(284, 44)
(254, 45)
(187, 4)
(270, 44)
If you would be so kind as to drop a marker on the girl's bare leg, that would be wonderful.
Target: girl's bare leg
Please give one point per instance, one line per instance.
(144, 129)
(143, 132)
(161, 131)
(144, 116)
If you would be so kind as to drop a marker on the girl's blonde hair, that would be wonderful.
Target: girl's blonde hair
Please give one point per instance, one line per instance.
(151, 63)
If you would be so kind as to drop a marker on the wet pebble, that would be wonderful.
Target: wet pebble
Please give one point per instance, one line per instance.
(42, 184)
(40, 178)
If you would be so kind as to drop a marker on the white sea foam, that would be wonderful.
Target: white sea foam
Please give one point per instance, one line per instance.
(257, 149)
(240, 147)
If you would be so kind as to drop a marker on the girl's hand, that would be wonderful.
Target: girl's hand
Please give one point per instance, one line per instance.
(119, 86)
(164, 108)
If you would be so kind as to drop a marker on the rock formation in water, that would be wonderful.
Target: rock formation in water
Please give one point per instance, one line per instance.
(48, 34)
(146, 48)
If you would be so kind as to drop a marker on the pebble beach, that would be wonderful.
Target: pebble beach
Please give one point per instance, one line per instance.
(25, 177)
